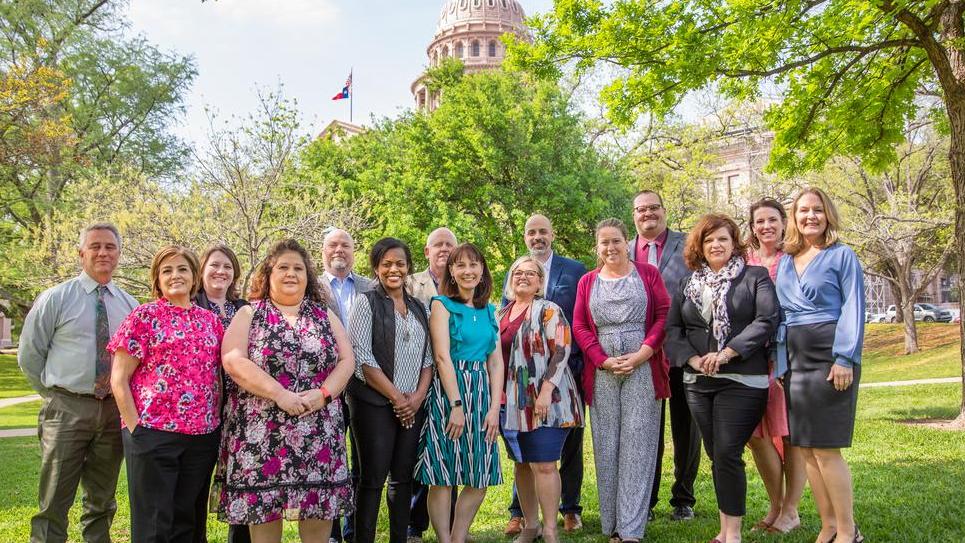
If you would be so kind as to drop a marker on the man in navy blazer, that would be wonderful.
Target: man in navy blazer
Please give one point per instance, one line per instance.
(663, 248)
(562, 276)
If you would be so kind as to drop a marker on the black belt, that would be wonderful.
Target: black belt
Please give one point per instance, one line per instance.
(79, 395)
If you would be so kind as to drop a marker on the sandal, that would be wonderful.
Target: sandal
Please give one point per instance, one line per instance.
(775, 530)
(528, 535)
(761, 526)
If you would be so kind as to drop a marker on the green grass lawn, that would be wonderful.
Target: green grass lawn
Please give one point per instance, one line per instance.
(12, 381)
(22, 415)
(908, 483)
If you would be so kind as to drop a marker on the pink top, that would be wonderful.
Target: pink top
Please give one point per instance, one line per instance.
(753, 260)
(584, 330)
(177, 385)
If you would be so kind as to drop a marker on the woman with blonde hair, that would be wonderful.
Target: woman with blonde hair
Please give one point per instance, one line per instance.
(541, 402)
(821, 289)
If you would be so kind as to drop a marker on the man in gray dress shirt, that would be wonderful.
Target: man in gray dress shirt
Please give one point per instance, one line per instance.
(62, 353)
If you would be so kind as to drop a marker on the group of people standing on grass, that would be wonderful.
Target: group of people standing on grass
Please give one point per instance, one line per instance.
(753, 341)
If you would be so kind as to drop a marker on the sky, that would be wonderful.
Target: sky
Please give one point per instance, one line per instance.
(307, 46)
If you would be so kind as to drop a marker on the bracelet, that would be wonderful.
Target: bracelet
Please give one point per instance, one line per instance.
(326, 395)
(455, 403)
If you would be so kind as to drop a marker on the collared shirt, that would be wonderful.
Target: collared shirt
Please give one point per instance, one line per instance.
(643, 248)
(546, 269)
(343, 291)
(58, 344)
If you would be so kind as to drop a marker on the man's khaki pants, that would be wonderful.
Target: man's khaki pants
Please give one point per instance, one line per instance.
(80, 443)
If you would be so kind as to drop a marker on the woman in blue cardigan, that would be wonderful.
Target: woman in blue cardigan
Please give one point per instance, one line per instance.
(821, 289)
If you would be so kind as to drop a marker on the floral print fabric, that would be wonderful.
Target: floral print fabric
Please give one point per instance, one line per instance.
(177, 385)
(274, 465)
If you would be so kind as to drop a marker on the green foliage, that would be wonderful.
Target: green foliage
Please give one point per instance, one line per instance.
(99, 103)
(499, 148)
(847, 69)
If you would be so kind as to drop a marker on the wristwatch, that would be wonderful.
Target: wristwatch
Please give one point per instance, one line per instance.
(455, 403)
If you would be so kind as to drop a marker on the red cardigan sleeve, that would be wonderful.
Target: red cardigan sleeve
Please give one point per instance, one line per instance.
(584, 331)
(656, 330)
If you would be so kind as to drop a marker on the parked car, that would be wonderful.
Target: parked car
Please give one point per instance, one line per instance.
(923, 312)
(956, 315)
(879, 317)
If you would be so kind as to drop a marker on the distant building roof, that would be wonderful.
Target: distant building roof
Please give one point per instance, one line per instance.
(340, 130)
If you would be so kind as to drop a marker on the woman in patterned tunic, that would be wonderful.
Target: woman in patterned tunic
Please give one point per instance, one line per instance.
(458, 444)
(621, 309)
(284, 433)
(541, 399)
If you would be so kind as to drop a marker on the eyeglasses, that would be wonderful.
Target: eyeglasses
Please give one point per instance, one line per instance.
(653, 208)
(525, 273)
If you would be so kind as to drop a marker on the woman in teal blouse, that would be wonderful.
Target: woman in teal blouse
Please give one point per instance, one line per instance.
(458, 445)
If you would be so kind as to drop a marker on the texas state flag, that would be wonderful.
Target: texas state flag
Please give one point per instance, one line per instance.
(345, 90)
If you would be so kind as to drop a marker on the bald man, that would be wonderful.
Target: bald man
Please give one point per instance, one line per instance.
(342, 286)
(562, 276)
(424, 285)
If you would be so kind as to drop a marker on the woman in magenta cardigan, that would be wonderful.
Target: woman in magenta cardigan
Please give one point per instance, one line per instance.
(618, 322)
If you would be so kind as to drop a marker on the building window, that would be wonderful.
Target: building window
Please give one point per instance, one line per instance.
(459, 50)
(732, 182)
(475, 48)
(492, 48)
(445, 51)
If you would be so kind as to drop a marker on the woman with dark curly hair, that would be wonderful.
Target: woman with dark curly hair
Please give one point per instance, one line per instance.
(284, 436)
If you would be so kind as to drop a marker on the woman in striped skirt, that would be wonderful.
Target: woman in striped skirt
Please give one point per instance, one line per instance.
(458, 444)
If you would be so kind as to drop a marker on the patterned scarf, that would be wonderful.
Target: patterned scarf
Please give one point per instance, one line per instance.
(718, 283)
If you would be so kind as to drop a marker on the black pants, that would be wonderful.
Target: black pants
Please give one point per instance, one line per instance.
(385, 450)
(727, 413)
(686, 446)
(166, 472)
(343, 529)
(571, 476)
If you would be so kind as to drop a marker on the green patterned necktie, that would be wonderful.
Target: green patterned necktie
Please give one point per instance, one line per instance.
(102, 376)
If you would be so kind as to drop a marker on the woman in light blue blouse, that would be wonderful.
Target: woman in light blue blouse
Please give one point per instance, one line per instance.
(821, 289)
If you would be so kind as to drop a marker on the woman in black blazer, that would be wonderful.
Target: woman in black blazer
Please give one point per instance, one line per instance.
(719, 326)
(219, 294)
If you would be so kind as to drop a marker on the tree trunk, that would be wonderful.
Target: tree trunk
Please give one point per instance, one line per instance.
(955, 104)
(908, 319)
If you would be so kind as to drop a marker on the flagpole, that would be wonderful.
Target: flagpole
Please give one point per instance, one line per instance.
(351, 95)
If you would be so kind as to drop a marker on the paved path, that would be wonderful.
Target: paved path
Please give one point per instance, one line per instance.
(18, 432)
(914, 382)
(7, 402)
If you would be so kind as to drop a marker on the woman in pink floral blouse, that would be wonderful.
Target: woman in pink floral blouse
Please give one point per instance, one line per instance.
(284, 436)
(166, 381)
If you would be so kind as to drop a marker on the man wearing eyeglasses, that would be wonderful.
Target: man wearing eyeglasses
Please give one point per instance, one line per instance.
(663, 248)
(562, 276)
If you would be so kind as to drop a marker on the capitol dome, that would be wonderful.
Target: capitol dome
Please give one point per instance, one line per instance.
(456, 13)
(470, 30)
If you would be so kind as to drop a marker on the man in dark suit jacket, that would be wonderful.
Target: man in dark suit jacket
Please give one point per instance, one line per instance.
(562, 276)
(663, 248)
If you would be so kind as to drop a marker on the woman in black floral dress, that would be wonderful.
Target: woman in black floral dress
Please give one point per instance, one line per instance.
(283, 438)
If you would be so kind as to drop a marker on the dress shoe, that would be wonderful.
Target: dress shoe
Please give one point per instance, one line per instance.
(514, 526)
(572, 522)
(682, 512)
